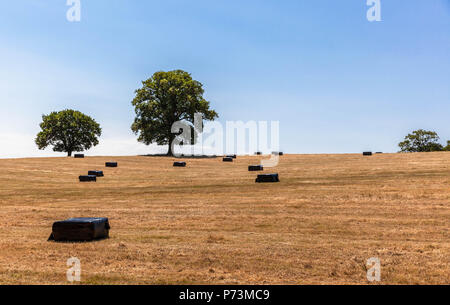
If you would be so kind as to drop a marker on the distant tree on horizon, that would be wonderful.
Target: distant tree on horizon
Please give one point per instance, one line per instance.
(421, 141)
(165, 98)
(68, 131)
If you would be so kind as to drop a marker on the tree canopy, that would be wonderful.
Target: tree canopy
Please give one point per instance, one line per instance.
(165, 98)
(447, 148)
(421, 141)
(68, 131)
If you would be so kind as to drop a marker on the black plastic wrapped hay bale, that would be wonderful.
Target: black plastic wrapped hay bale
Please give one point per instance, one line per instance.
(78, 156)
(80, 229)
(111, 164)
(267, 178)
(96, 173)
(379, 152)
(258, 153)
(232, 156)
(367, 153)
(277, 153)
(227, 159)
(179, 164)
(255, 168)
(88, 178)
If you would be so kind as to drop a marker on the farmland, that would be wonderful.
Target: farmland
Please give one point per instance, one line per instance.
(210, 223)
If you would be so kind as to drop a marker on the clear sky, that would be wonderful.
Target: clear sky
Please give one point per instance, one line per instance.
(336, 82)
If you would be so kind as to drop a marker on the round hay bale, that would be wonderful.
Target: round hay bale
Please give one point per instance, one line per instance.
(267, 178)
(95, 173)
(88, 178)
(80, 229)
(255, 168)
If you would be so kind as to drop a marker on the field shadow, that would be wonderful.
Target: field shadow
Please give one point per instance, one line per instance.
(51, 239)
(181, 156)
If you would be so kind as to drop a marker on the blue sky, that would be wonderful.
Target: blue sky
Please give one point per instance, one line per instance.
(336, 82)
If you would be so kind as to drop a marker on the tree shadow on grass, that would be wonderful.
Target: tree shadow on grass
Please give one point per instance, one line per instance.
(182, 156)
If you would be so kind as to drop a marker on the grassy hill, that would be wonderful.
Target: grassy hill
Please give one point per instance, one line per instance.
(210, 223)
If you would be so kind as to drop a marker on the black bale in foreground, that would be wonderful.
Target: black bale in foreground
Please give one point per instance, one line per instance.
(367, 153)
(255, 168)
(179, 164)
(227, 159)
(80, 229)
(111, 164)
(88, 178)
(267, 178)
(96, 173)
(78, 156)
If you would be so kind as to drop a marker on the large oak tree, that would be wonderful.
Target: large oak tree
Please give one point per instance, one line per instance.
(165, 98)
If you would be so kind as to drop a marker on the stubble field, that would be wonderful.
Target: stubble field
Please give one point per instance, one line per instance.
(210, 223)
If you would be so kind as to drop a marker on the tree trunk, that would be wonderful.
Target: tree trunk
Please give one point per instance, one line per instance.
(171, 138)
(170, 152)
(69, 154)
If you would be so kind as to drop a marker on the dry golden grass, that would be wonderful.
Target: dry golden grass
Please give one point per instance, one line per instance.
(210, 223)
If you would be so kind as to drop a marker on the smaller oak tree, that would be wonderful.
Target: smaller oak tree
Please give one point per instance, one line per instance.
(421, 141)
(68, 131)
